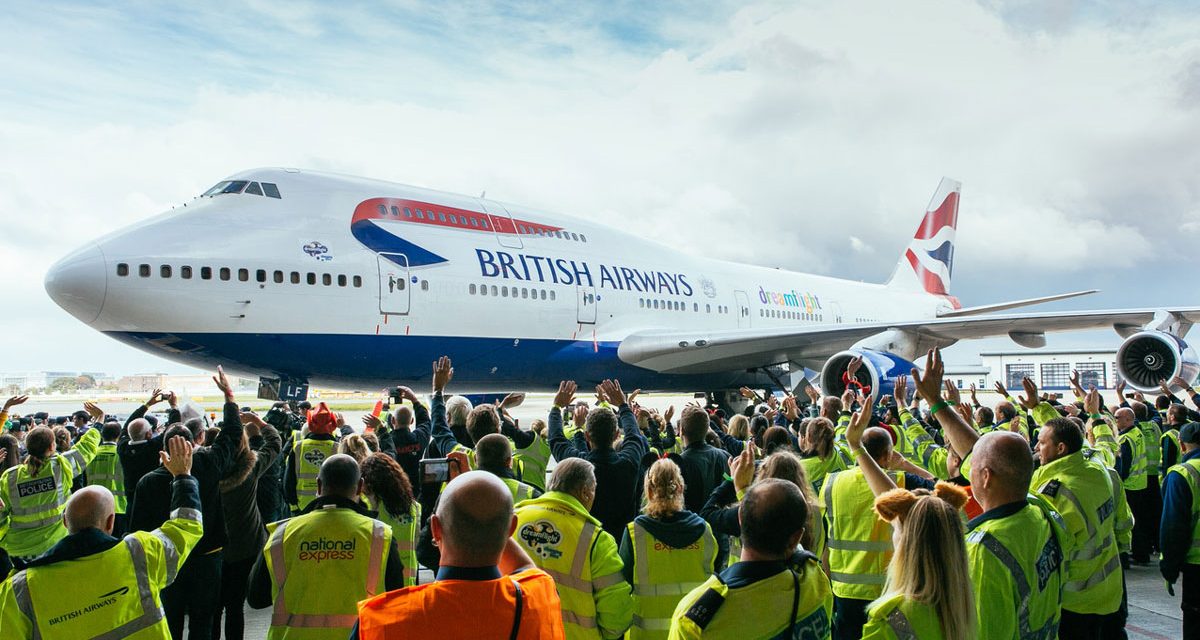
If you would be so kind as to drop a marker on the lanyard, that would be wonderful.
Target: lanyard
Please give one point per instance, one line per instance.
(516, 628)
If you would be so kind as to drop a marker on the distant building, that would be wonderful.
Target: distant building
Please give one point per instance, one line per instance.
(141, 383)
(1050, 369)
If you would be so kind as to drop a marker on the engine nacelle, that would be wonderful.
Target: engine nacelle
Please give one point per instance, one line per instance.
(879, 371)
(1148, 357)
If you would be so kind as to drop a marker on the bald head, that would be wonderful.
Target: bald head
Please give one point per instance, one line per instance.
(474, 519)
(1124, 417)
(1002, 466)
(91, 507)
(878, 443)
(339, 476)
(402, 416)
(773, 516)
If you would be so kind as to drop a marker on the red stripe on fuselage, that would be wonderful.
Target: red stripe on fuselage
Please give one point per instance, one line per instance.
(946, 215)
(436, 215)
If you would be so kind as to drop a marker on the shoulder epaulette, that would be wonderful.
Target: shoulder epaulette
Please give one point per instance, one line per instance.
(705, 608)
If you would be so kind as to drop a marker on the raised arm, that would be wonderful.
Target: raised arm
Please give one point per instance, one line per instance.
(879, 481)
(959, 435)
(560, 446)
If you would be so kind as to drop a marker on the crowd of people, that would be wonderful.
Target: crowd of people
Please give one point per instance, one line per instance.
(851, 515)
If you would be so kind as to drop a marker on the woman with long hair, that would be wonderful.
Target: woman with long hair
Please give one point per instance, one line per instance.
(667, 551)
(926, 594)
(819, 452)
(35, 521)
(259, 448)
(387, 489)
(354, 446)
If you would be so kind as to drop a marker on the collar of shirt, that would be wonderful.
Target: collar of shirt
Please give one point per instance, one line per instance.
(1002, 511)
(747, 573)
(1191, 455)
(476, 574)
(338, 502)
(84, 543)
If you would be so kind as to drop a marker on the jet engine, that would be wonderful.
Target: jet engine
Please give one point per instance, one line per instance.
(1148, 357)
(879, 371)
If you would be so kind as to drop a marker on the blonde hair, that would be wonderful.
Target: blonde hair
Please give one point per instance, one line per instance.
(664, 490)
(354, 446)
(931, 554)
(785, 465)
(739, 427)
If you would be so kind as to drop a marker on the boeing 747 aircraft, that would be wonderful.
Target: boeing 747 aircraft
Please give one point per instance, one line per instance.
(303, 277)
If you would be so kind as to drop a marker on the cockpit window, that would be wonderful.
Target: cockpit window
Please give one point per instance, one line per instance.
(254, 189)
(270, 190)
(228, 186)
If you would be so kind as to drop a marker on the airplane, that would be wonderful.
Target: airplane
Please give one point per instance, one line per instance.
(304, 277)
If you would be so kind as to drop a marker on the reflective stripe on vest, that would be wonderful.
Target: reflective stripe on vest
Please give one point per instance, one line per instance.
(281, 617)
(151, 612)
(1024, 592)
(900, 625)
(657, 600)
(45, 512)
(1191, 475)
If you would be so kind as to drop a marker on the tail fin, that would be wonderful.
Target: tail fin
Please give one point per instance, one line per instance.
(928, 261)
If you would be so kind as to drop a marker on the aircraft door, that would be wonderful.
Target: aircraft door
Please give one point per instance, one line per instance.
(503, 225)
(586, 303)
(743, 309)
(394, 284)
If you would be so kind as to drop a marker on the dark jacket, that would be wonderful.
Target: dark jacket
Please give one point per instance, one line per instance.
(151, 507)
(408, 445)
(703, 468)
(243, 522)
(271, 506)
(139, 458)
(678, 532)
(617, 470)
(259, 595)
(1175, 531)
(185, 494)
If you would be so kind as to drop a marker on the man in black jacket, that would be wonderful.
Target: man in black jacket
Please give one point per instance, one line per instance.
(196, 592)
(138, 447)
(407, 435)
(617, 469)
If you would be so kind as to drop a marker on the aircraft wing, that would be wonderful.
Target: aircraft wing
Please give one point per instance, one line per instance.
(699, 351)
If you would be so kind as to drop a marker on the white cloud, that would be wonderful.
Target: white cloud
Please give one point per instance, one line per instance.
(775, 134)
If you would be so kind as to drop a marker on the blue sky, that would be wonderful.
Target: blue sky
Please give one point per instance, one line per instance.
(813, 133)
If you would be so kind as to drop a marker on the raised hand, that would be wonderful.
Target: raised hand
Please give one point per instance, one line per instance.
(1162, 384)
(974, 399)
(178, 457)
(853, 365)
(14, 401)
(669, 413)
(512, 400)
(741, 468)
(1182, 384)
(901, 390)
(747, 393)
(633, 395)
(223, 384)
(952, 393)
(612, 392)
(94, 411)
(1120, 389)
(172, 399)
(372, 423)
(1139, 396)
(1031, 398)
(858, 424)
(581, 414)
(1091, 402)
(813, 394)
(1001, 389)
(566, 393)
(155, 397)
(789, 409)
(929, 385)
(847, 399)
(443, 371)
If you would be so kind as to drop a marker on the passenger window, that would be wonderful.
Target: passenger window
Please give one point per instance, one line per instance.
(185, 273)
(278, 277)
(543, 294)
(382, 210)
(575, 237)
(441, 217)
(401, 284)
(494, 290)
(311, 278)
(165, 271)
(144, 270)
(524, 293)
(642, 302)
(551, 295)
(270, 190)
(484, 222)
(471, 289)
(453, 220)
(225, 273)
(419, 215)
(122, 269)
(358, 281)
(582, 238)
(295, 277)
(206, 273)
(407, 212)
(254, 189)
(504, 292)
(341, 280)
(483, 289)
(260, 275)
(244, 275)
(326, 279)
(395, 211)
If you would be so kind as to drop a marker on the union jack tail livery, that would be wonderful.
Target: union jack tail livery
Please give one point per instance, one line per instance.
(928, 262)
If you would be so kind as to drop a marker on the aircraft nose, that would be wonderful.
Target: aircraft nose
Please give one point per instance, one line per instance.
(79, 282)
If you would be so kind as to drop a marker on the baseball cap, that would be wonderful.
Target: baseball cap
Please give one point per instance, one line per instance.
(1190, 433)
